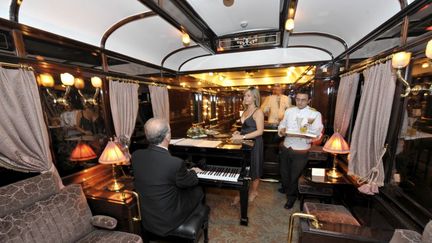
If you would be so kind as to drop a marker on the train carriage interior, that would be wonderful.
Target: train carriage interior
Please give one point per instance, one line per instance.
(79, 77)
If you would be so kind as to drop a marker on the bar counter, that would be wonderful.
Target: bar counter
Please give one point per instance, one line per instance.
(271, 152)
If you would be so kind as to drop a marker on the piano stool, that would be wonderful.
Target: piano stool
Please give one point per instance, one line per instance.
(308, 189)
(190, 231)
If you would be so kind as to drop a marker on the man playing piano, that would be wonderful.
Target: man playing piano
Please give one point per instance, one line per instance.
(299, 124)
(169, 192)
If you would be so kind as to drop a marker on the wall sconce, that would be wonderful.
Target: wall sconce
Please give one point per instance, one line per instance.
(289, 24)
(185, 39)
(418, 88)
(97, 83)
(401, 60)
(67, 80)
(79, 83)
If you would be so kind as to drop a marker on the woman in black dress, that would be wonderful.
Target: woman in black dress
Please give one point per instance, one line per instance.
(252, 128)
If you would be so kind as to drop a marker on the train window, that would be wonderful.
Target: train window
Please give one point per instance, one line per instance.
(6, 44)
(414, 158)
(76, 120)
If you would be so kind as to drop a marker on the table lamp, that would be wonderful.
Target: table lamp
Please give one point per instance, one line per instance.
(113, 155)
(336, 145)
(82, 152)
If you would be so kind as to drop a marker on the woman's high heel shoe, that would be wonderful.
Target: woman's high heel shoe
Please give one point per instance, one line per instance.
(236, 201)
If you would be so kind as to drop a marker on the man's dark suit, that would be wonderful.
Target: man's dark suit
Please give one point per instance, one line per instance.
(168, 191)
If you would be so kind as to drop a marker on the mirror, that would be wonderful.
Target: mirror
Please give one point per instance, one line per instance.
(74, 115)
(414, 155)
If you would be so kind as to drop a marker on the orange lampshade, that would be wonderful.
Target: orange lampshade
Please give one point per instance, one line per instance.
(336, 145)
(82, 152)
(112, 154)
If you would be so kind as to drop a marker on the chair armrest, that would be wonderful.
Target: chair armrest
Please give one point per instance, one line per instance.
(104, 222)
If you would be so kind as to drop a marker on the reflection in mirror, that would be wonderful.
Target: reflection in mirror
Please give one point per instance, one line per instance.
(414, 156)
(76, 124)
(197, 107)
(145, 112)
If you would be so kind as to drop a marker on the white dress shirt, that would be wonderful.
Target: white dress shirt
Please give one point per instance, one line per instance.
(293, 119)
(276, 106)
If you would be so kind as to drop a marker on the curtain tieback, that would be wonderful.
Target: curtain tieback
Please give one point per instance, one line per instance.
(370, 187)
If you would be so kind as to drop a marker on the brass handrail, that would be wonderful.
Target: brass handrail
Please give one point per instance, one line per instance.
(315, 223)
(138, 218)
(127, 80)
(14, 65)
(365, 66)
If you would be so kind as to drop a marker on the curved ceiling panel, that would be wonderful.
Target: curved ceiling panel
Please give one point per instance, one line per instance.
(4, 9)
(256, 58)
(334, 46)
(256, 14)
(350, 19)
(79, 19)
(149, 39)
(177, 59)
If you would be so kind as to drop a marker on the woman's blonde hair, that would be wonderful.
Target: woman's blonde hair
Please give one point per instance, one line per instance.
(255, 93)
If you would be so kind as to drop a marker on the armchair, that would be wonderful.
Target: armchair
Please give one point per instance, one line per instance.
(37, 210)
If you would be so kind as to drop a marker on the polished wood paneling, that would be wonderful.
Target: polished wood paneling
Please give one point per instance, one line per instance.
(180, 111)
(324, 101)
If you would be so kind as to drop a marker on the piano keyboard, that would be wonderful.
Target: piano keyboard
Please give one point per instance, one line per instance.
(220, 173)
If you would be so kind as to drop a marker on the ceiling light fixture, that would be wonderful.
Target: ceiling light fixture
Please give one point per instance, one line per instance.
(289, 24)
(428, 51)
(228, 3)
(185, 39)
(291, 12)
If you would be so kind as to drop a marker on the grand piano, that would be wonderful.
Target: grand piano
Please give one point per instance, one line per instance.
(225, 164)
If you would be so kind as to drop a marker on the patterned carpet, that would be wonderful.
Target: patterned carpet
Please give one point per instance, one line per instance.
(268, 220)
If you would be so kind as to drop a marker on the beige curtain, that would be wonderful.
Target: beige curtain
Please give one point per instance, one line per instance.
(159, 101)
(24, 141)
(124, 108)
(345, 102)
(370, 129)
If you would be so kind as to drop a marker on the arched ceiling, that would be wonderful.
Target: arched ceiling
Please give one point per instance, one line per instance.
(151, 39)
(267, 57)
(82, 20)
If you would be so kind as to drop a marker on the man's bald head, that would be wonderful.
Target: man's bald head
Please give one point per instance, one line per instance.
(156, 130)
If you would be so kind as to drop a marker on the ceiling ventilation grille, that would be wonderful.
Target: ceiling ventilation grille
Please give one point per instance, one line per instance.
(264, 40)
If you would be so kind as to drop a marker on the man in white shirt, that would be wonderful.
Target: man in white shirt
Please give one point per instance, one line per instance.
(275, 105)
(299, 124)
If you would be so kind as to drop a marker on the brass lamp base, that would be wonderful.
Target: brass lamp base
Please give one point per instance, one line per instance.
(116, 186)
(333, 173)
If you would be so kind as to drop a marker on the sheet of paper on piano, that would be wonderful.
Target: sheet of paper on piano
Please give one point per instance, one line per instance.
(175, 141)
(198, 143)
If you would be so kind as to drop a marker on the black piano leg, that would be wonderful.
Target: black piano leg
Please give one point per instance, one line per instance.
(244, 200)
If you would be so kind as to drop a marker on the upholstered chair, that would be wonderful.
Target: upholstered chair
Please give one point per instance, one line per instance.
(37, 210)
